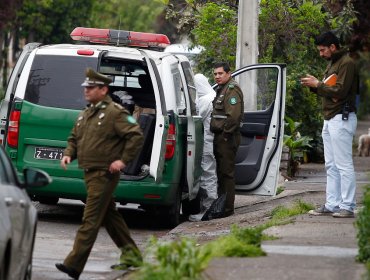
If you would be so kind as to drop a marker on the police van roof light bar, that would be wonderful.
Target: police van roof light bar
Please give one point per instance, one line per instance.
(120, 37)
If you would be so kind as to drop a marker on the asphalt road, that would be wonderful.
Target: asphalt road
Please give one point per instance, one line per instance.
(56, 230)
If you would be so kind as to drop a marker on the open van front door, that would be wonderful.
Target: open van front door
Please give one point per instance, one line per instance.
(258, 158)
(161, 125)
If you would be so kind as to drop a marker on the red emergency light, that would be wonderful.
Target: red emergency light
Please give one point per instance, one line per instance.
(120, 37)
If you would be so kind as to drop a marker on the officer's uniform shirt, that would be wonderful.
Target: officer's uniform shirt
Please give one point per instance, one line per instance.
(102, 134)
(228, 109)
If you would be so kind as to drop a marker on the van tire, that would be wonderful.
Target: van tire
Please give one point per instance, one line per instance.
(47, 200)
(170, 215)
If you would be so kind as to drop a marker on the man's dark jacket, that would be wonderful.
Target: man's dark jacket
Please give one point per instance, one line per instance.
(345, 89)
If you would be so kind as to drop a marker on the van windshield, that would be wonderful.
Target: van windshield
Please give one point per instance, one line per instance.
(55, 81)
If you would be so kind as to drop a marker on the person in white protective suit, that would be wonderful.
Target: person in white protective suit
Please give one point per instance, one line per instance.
(208, 180)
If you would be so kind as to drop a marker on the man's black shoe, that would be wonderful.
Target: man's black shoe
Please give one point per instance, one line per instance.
(70, 271)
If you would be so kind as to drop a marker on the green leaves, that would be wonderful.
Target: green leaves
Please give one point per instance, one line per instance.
(184, 259)
(139, 15)
(179, 259)
(216, 31)
(241, 242)
(48, 21)
(363, 227)
(295, 143)
(345, 21)
(295, 140)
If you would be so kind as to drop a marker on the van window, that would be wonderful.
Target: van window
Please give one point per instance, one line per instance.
(55, 81)
(191, 86)
(179, 91)
(261, 83)
(124, 73)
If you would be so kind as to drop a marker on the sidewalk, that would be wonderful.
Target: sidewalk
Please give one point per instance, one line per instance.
(310, 248)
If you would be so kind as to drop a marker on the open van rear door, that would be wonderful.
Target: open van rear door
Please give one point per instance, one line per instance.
(194, 149)
(258, 158)
(161, 125)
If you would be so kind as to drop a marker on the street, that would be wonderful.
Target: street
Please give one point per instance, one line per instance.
(56, 230)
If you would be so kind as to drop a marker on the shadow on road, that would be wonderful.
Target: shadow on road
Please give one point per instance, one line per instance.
(71, 211)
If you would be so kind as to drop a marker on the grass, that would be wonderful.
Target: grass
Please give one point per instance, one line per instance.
(241, 242)
(279, 190)
(179, 259)
(282, 215)
(298, 208)
(184, 259)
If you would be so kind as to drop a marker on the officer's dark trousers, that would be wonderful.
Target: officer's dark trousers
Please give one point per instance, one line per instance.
(100, 209)
(225, 153)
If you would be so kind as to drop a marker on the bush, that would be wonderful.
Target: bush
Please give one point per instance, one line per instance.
(216, 32)
(296, 145)
(363, 225)
(179, 259)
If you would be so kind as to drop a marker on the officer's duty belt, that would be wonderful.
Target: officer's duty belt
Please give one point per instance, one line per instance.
(219, 116)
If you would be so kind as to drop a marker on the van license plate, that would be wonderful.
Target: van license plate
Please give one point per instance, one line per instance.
(48, 153)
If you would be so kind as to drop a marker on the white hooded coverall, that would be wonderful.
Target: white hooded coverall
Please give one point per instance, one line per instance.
(208, 180)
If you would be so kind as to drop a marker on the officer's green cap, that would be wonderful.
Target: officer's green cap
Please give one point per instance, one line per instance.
(94, 78)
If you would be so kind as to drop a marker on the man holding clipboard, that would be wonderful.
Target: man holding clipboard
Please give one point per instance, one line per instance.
(338, 91)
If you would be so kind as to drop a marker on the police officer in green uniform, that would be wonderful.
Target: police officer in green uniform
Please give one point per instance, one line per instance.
(228, 109)
(105, 139)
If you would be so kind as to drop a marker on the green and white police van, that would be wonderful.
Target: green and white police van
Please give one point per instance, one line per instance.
(44, 97)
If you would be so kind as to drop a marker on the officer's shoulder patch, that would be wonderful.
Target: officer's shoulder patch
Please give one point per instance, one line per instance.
(231, 85)
(131, 119)
(118, 105)
(233, 100)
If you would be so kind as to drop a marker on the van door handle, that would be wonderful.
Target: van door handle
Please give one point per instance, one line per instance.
(8, 201)
(22, 203)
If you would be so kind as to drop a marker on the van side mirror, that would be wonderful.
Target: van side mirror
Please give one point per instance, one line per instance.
(36, 177)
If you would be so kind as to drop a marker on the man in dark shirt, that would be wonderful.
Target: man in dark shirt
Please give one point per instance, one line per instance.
(340, 121)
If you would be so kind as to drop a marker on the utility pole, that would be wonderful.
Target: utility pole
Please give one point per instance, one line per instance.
(247, 46)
